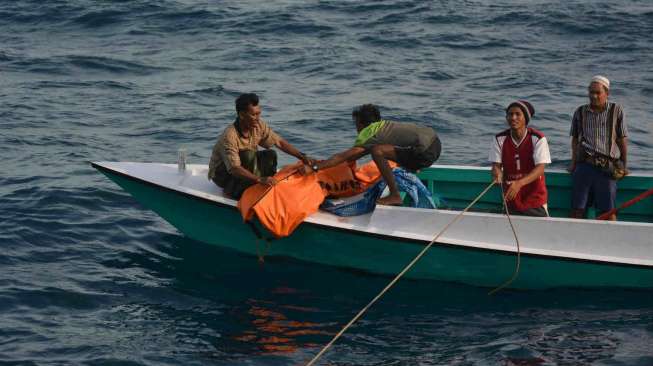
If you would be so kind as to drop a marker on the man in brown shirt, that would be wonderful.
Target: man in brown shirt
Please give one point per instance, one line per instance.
(236, 162)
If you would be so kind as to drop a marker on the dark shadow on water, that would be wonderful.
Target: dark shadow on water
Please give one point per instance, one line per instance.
(215, 273)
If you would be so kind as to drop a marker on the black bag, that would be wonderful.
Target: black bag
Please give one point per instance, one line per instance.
(613, 168)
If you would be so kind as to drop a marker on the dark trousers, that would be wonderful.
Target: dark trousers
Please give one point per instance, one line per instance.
(538, 211)
(592, 187)
(260, 163)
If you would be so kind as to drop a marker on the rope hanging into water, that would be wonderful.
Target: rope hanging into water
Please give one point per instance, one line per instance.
(514, 233)
(409, 266)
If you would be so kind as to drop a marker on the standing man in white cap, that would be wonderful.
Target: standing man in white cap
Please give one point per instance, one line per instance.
(599, 150)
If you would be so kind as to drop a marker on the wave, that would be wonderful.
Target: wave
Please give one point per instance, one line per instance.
(97, 19)
(437, 75)
(112, 65)
(392, 40)
(446, 19)
(35, 12)
(72, 64)
(131, 80)
(363, 8)
(75, 13)
(280, 24)
(408, 15)
(208, 92)
(100, 84)
(468, 41)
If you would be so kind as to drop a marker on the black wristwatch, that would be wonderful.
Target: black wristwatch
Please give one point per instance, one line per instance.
(314, 167)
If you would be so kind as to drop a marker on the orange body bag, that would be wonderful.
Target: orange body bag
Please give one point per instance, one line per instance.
(282, 207)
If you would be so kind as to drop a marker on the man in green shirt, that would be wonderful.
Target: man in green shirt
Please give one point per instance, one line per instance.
(411, 146)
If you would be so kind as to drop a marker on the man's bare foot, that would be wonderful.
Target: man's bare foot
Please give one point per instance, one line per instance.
(391, 200)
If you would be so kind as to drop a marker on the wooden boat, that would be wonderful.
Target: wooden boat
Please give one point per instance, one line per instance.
(479, 249)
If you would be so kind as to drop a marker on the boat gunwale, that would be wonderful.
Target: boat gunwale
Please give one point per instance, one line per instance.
(403, 239)
(632, 173)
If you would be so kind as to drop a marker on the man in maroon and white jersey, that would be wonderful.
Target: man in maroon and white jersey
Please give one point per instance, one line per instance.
(518, 156)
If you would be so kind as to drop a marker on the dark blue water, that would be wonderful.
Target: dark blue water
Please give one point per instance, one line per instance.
(88, 277)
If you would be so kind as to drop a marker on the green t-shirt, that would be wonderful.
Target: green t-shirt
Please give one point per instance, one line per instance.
(368, 132)
(396, 134)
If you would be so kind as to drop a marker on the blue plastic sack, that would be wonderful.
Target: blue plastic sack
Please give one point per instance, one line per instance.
(418, 194)
(355, 205)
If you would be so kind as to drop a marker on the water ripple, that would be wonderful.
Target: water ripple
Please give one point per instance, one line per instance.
(88, 276)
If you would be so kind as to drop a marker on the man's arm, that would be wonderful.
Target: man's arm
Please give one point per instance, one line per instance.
(289, 149)
(574, 154)
(622, 143)
(350, 154)
(495, 158)
(497, 173)
(574, 133)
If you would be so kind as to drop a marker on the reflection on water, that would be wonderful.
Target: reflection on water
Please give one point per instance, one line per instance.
(273, 331)
(88, 277)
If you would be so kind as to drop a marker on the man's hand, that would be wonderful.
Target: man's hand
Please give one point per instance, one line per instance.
(268, 181)
(309, 161)
(571, 167)
(306, 159)
(619, 173)
(305, 169)
(497, 173)
(513, 188)
(626, 171)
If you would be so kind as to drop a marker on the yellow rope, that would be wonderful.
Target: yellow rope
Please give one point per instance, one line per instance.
(514, 232)
(409, 266)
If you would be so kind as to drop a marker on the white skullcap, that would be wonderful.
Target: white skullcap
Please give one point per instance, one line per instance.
(601, 80)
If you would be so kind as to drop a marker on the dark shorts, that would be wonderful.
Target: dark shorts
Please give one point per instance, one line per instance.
(592, 187)
(261, 163)
(412, 160)
(538, 212)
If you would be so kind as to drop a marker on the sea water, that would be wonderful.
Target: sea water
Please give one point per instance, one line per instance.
(89, 277)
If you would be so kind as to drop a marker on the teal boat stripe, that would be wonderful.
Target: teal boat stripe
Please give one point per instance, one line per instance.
(497, 251)
(377, 235)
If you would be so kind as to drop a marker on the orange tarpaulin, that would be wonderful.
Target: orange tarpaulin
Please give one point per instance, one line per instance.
(282, 207)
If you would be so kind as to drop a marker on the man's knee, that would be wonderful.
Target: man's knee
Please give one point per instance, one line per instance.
(248, 159)
(383, 151)
(267, 154)
(267, 162)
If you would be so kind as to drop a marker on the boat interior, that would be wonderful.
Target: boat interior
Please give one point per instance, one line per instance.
(459, 185)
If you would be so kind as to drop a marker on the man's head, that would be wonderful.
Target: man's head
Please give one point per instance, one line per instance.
(249, 112)
(519, 113)
(364, 115)
(598, 91)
